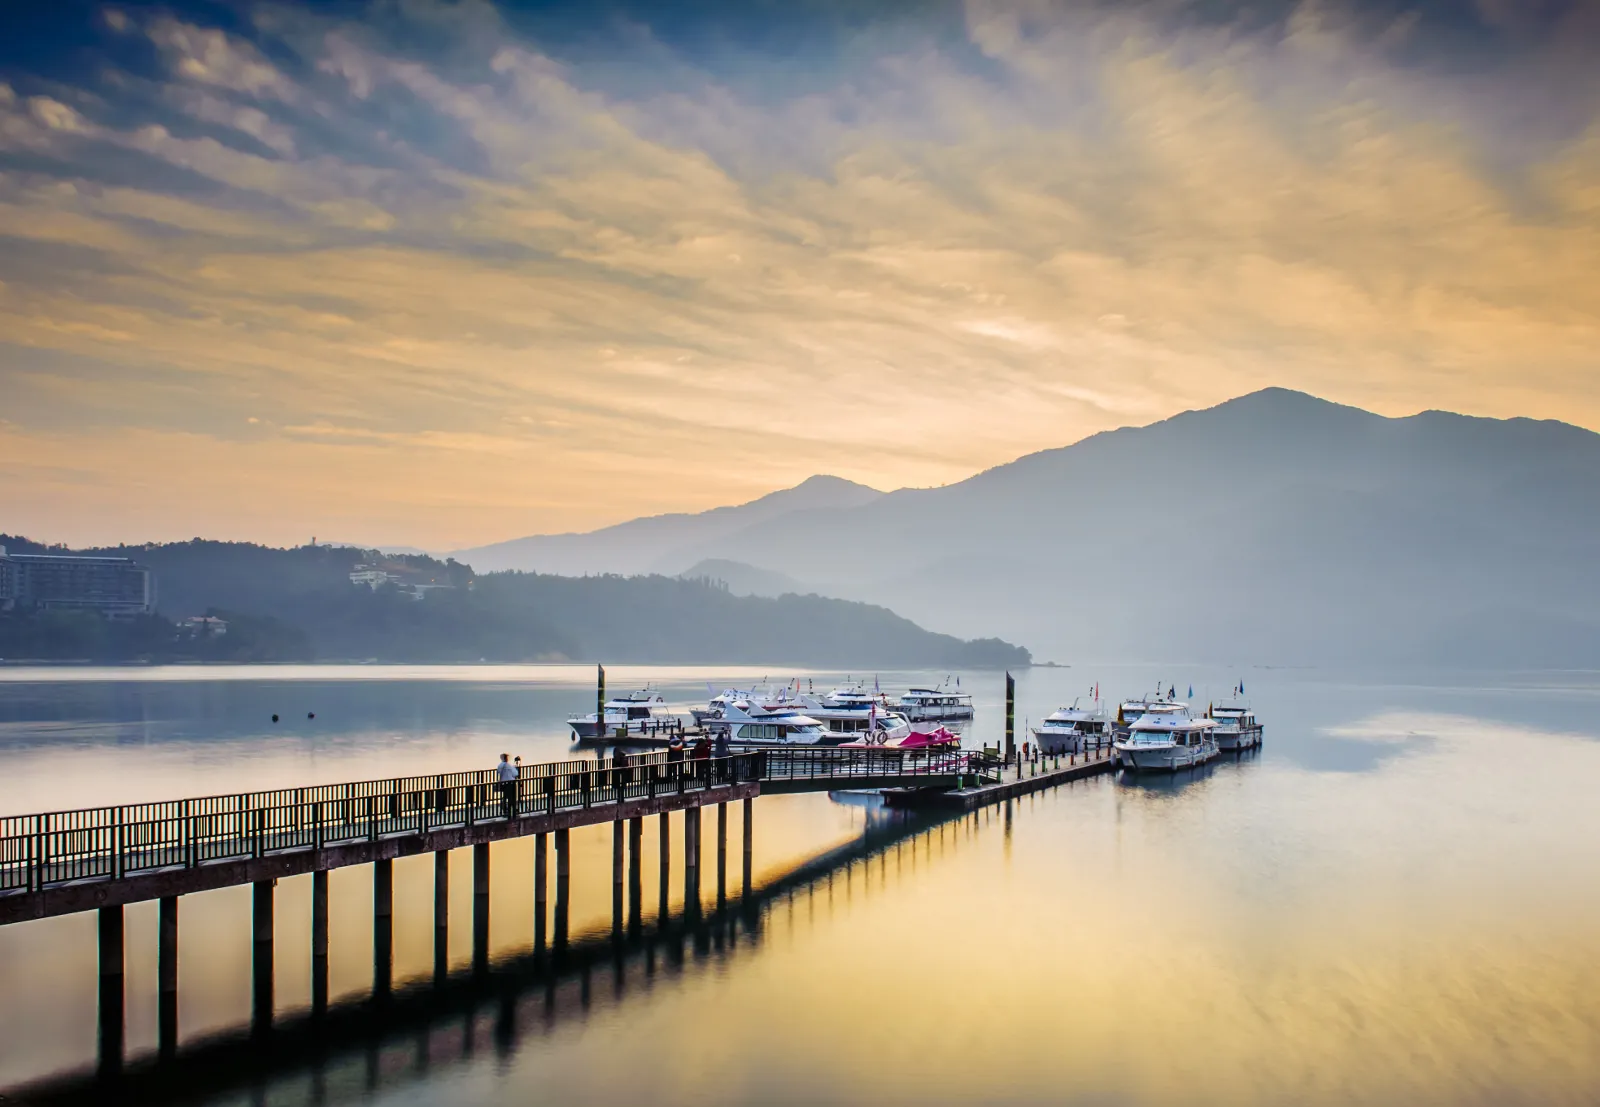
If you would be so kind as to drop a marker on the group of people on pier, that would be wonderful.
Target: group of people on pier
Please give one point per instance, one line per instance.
(509, 770)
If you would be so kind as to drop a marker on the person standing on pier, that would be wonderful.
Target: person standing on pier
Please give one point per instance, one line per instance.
(508, 773)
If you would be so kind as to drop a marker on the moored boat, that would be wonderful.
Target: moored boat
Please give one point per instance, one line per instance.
(746, 724)
(642, 712)
(1164, 741)
(1073, 729)
(1237, 727)
(849, 716)
(941, 704)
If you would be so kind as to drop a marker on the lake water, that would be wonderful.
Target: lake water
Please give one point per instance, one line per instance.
(1395, 901)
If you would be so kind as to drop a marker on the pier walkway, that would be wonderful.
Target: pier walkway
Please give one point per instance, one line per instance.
(64, 862)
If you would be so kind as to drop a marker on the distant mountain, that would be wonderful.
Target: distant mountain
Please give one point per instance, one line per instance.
(744, 580)
(1274, 528)
(292, 604)
(663, 543)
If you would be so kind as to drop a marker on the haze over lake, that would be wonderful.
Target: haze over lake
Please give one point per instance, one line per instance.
(1389, 903)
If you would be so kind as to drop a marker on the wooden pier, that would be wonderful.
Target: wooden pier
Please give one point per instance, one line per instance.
(102, 859)
(1027, 775)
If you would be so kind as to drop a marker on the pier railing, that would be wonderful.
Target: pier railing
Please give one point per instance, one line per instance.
(109, 843)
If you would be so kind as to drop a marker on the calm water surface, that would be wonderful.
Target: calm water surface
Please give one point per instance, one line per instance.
(1395, 901)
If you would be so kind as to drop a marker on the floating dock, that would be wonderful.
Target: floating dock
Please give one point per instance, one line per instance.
(1028, 776)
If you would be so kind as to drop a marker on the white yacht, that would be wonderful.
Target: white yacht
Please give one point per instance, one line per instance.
(1237, 728)
(941, 704)
(719, 703)
(845, 718)
(1167, 740)
(748, 725)
(1130, 711)
(641, 712)
(1073, 729)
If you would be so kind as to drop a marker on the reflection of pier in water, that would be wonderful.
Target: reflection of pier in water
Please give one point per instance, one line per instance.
(363, 1045)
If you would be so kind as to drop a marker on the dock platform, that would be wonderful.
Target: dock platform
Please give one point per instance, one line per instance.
(1028, 776)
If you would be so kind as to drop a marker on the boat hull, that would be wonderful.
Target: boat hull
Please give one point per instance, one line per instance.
(589, 730)
(1061, 741)
(935, 714)
(1247, 738)
(1164, 759)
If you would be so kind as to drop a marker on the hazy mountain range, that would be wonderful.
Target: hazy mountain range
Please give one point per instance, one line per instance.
(1274, 528)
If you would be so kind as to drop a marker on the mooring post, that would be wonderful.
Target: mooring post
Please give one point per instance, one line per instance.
(167, 978)
(563, 886)
(480, 907)
(261, 961)
(382, 926)
(441, 915)
(111, 990)
(541, 880)
(722, 856)
(1011, 718)
(749, 846)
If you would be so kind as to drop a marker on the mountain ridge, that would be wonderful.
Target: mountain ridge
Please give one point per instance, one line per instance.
(1277, 526)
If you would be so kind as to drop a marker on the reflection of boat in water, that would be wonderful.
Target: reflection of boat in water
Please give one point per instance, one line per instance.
(1167, 740)
(933, 705)
(1237, 728)
(638, 713)
(1072, 729)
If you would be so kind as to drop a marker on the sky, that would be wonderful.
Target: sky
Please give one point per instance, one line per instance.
(443, 273)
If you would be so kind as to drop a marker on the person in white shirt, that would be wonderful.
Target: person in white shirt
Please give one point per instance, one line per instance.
(508, 774)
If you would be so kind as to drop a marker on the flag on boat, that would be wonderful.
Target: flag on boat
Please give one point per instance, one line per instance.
(1191, 691)
(875, 687)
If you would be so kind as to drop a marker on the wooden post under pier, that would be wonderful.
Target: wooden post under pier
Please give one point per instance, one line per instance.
(441, 915)
(382, 927)
(167, 978)
(480, 907)
(261, 959)
(112, 956)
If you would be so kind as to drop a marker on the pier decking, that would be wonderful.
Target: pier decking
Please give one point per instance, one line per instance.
(102, 859)
(1017, 780)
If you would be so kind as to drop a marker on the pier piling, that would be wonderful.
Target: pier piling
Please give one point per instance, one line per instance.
(635, 874)
(441, 915)
(111, 990)
(616, 878)
(261, 959)
(691, 861)
(541, 881)
(563, 886)
(480, 907)
(382, 927)
(319, 941)
(666, 869)
(749, 846)
(722, 856)
(167, 978)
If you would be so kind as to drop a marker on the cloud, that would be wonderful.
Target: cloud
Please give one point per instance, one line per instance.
(487, 265)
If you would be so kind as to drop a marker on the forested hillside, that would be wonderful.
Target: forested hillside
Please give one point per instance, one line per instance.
(295, 604)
